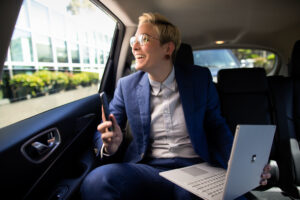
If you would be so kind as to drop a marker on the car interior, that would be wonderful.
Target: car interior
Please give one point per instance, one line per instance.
(47, 155)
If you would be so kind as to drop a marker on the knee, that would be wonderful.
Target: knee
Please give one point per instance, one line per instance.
(101, 181)
(103, 174)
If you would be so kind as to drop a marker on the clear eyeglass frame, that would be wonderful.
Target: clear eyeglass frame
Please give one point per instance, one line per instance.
(142, 39)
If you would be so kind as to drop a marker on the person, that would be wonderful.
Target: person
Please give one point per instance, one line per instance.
(174, 115)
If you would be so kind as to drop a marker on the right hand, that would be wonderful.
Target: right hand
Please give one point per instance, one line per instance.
(111, 139)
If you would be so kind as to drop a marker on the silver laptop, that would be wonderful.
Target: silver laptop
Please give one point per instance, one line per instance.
(250, 153)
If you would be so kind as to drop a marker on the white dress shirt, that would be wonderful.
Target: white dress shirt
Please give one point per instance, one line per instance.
(168, 134)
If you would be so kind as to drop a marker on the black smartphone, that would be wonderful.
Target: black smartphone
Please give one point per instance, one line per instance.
(104, 102)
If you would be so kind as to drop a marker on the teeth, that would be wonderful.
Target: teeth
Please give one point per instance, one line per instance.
(139, 56)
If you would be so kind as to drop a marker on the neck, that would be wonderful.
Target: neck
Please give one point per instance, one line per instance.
(161, 74)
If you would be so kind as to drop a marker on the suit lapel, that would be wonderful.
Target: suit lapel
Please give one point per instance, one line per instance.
(186, 92)
(190, 104)
(143, 99)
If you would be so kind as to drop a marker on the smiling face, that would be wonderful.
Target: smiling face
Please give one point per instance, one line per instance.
(152, 56)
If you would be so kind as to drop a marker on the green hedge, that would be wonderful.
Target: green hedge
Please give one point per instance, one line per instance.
(1, 89)
(24, 84)
(43, 82)
(60, 81)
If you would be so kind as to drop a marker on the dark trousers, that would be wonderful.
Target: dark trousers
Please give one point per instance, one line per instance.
(135, 181)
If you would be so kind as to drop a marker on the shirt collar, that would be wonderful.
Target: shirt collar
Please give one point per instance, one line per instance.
(168, 83)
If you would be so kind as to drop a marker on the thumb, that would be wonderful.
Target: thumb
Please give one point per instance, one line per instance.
(114, 121)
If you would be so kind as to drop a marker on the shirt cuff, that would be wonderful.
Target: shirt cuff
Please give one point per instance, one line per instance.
(102, 154)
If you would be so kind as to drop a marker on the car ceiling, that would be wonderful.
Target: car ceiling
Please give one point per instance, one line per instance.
(270, 24)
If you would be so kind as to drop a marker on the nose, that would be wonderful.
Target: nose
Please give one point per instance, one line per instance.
(136, 46)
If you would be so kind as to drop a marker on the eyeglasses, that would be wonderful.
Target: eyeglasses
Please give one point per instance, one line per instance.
(142, 39)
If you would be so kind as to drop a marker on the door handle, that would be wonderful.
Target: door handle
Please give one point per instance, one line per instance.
(40, 147)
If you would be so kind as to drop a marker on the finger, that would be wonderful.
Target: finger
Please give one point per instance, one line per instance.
(266, 175)
(106, 141)
(103, 127)
(103, 115)
(107, 138)
(107, 135)
(106, 145)
(114, 121)
(263, 182)
(267, 168)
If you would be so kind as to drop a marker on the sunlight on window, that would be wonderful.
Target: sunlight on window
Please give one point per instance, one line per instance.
(57, 55)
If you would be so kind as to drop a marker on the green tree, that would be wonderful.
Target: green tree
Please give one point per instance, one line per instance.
(75, 6)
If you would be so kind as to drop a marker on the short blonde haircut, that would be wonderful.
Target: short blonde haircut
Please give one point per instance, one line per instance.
(167, 32)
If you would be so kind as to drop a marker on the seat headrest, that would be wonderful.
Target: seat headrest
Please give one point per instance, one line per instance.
(184, 55)
(295, 60)
(242, 80)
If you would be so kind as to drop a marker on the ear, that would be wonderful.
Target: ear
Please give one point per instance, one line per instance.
(170, 47)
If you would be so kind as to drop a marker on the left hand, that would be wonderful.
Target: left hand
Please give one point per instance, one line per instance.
(265, 175)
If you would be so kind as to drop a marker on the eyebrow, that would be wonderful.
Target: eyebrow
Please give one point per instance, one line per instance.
(144, 34)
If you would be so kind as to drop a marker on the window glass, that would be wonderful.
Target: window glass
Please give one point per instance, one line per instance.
(74, 48)
(39, 17)
(21, 46)
(63, 69)
(61, 51)
(23, 69)
(92, 55)
(216, 59)
(23, 20)
(83, 37)
(57, 55)
(72, 32)
(58, 25)
(44, 48)
(99, 39)
(85, 54)
(101, 58)
(96, 56)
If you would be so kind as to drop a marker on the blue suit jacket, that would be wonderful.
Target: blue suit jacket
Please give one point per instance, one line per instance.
(210, 136)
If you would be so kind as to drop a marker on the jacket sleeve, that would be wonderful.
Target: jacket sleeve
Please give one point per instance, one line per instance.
(117, 108)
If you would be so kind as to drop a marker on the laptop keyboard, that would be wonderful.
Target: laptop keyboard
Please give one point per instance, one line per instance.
(212, 185)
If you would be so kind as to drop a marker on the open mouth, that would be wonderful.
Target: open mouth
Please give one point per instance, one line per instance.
(139, 57)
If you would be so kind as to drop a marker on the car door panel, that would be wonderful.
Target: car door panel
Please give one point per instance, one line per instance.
(66, 165)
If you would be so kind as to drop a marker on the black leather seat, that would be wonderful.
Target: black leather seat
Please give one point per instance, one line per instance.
(245, 99)
(285, 93)
(295, 74)
(184, 55)
(244, 96)
(296, 78)
(281, 89)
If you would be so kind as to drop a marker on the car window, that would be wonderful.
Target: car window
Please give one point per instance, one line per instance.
(216, 59)
(57, 55)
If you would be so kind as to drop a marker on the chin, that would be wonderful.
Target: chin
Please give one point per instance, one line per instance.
(139, 67)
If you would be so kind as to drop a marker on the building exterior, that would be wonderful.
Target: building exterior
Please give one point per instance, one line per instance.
(51, 38)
